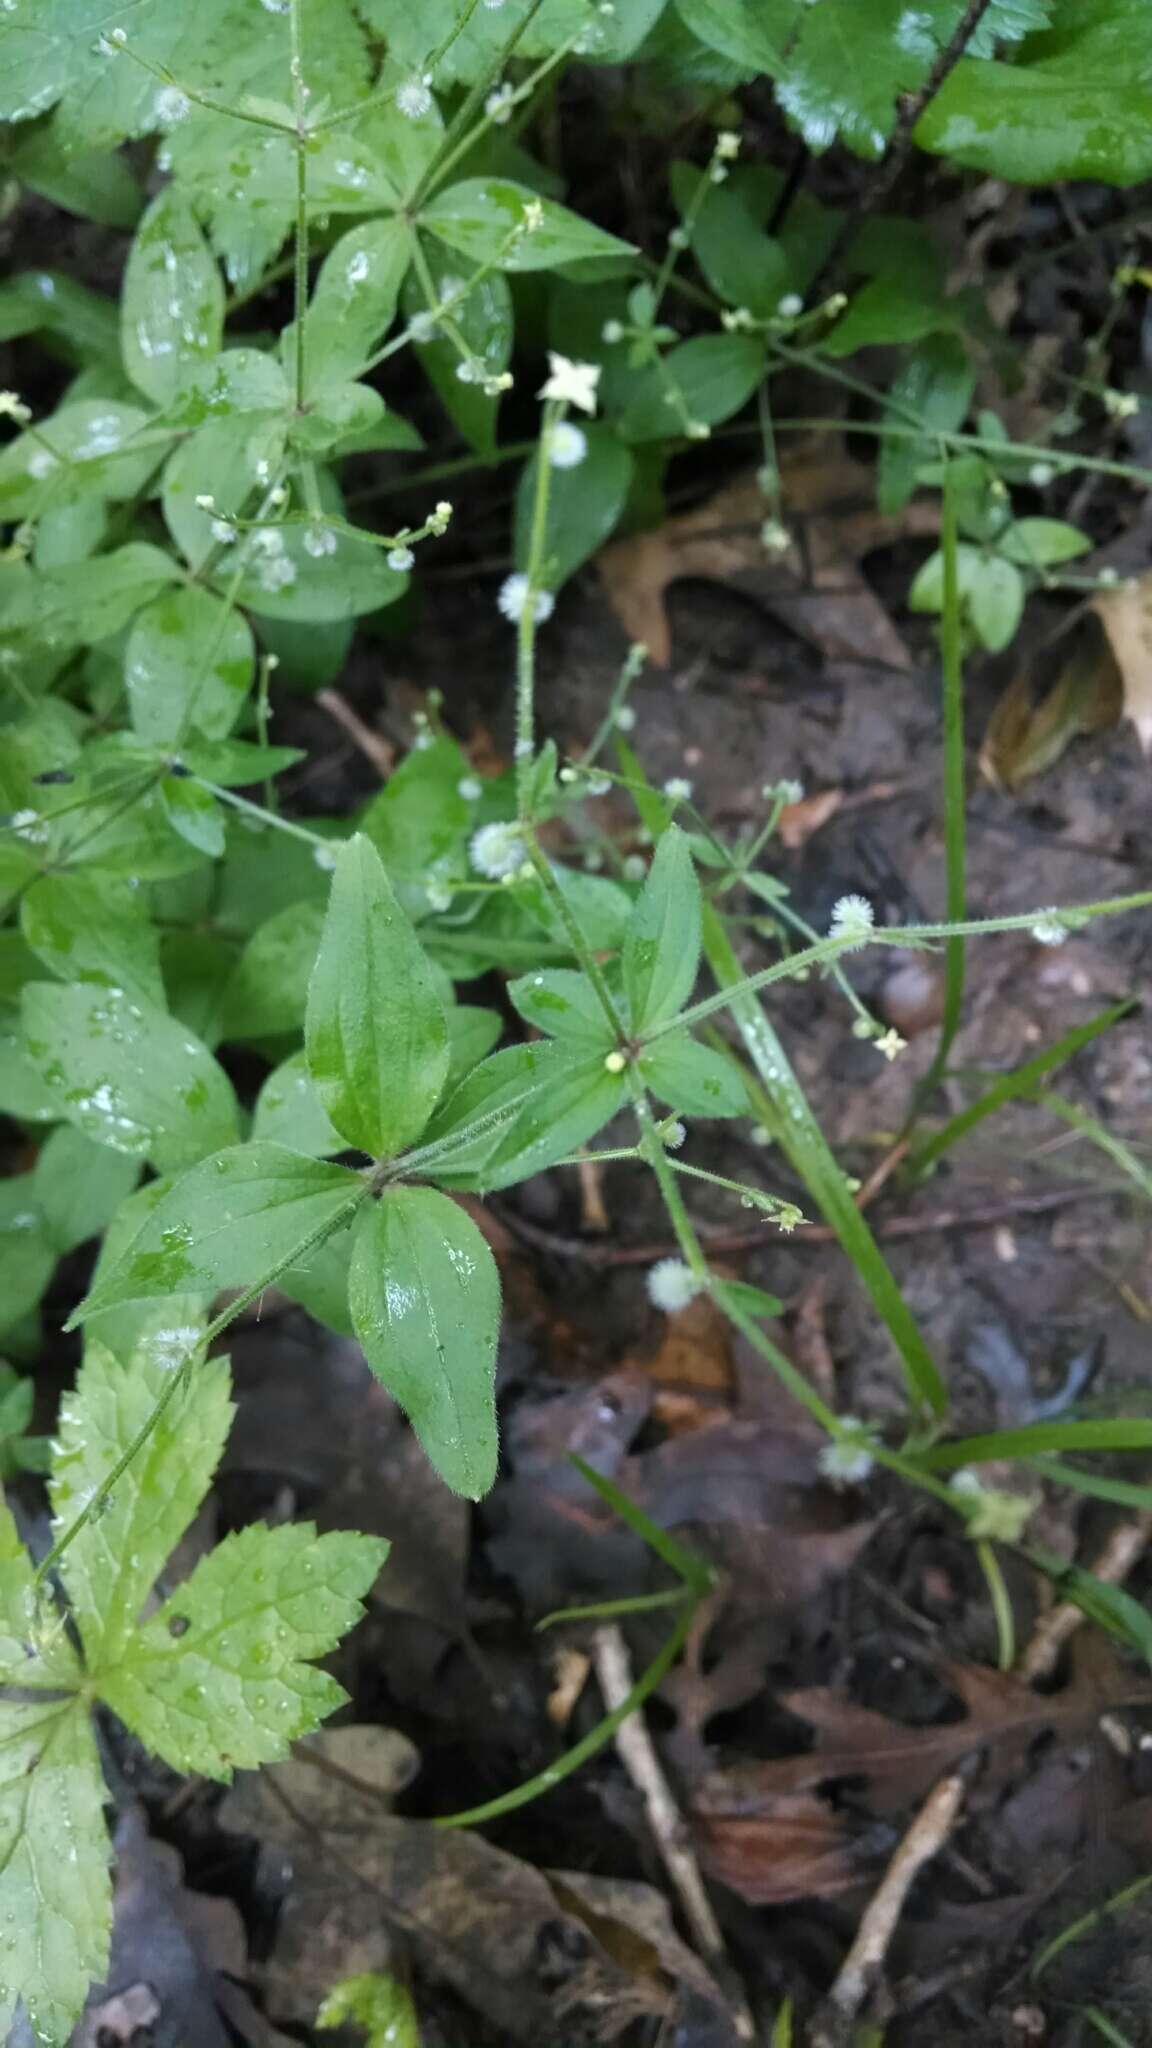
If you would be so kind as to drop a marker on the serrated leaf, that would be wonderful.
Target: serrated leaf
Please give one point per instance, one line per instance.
(79, 1186)
(55, 1887)
(662, 943)
(221, 1679)
(693, 1078)
(425, 1300)
(172, 301)
(477, 217)
(127, 1074)
(93, 927)
(225, 1223)
(375, 1033)
(1059, 110)
(563, 1003)
(189, 662)
(116, 1558)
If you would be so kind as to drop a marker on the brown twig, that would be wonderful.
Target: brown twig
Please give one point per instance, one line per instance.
(639, 1758)
(1122, 1551)
(380, 752)
(892, 163)
(762, 1236)
(858, 1972)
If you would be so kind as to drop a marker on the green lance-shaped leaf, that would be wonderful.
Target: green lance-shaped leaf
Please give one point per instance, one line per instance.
(172, 307)
(425, 1299)
(226, 1223)
(662, 943)
(375, 1031)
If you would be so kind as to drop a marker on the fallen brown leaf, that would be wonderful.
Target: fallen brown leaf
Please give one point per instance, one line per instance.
(898, 1763)
(1032, 726)
(1126, 616)
(798, 1847)
(816, 587)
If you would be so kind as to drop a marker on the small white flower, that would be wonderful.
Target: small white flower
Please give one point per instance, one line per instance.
(493, 382)
(567, 445)
(205, 502)
(497, 851)
(737, 320)
(170, 105)
(614, 1062)
(422, 326)
(513, 597)
(612, 331)
(12, 407)
(499, 104)
(848, 1457)
(791, 306)
(568, 775)
(1108, 578)
(852, 918)
(414, 98)
(275, 572)
(437, 521)
(470, 788)
(891, 1044)
(468, 371)
(30, 826)
(319, 541)
(625, 719)
(1041, 475)
(324, 857)
(717, 173)
(571, 383)
(438, 896)
(1049, 928)
(599, 785)
(678, 789)
(967, 1481)
(1120, 405)
(635, 867)
(678, 238)
(268, 540)
(278, 497)
(785, 792)
(698, 430)
(775, 537)
(674, 1135)
(399, 559)
(760, 1135)
(593, 861)
(671, 1285)
(727, 145)
(222, 530)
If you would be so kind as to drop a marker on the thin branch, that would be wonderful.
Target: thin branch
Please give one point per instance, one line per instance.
(639, 1758)
(1121, 1553)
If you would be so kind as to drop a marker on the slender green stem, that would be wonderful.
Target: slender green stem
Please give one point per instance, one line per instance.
(266, 817)
(1001, 1605)
(434, 173)
(752, 1197)
(594, 1741)
(580, 947)
(525, 748)
(469, 140)
(955, 792)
